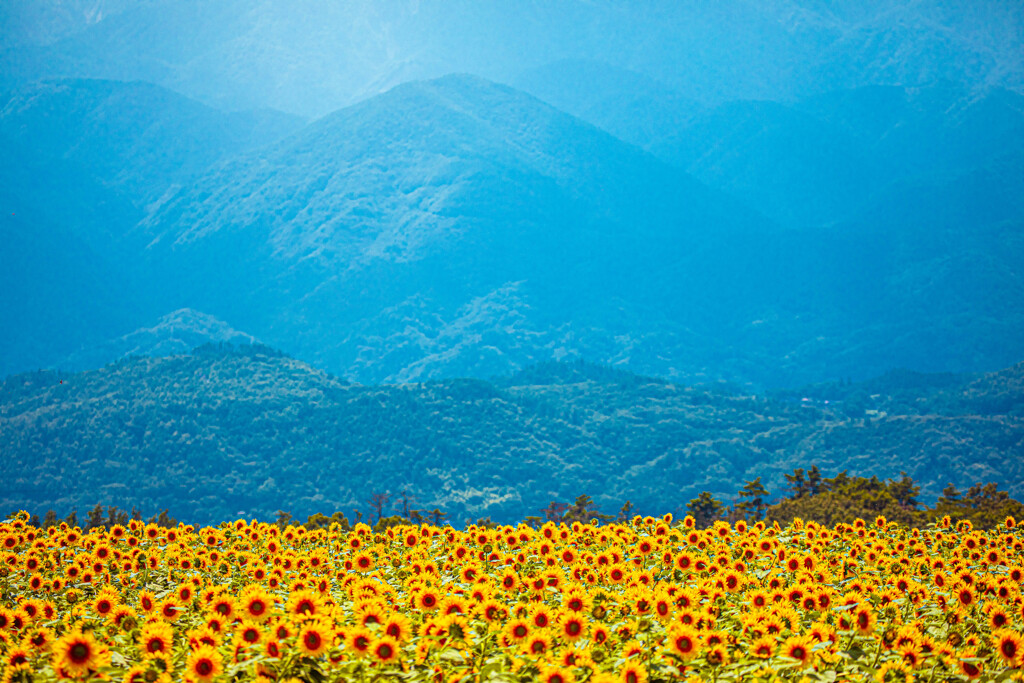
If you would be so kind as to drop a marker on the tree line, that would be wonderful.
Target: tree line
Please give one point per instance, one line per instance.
(809, 496)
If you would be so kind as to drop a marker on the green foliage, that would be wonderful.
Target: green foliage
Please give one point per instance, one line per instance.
(244, 432)
(845, 498)
(984, 506)
(705, 509)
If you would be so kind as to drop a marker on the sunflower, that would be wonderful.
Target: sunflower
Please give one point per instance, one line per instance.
(147, 601)
(1009, 645)
(633, 672)
(864, 619)
(125, 617)
(156, 638)
(998, 618)
(799, 648)
(453, 604)
(684, 642)
(304, 604)
(16, 657)
(540, 616)
(204, 664)
(965, 597)
(386, 650)
(169, 609)
(39, 639)
(370, 613)
(78, 652)
(249, 632)
(536, 644)
(553, 674)
(616, 573)
(314, 638)
(572, 627)
(763, 647)
(360, 640)
(272, 649)
(970, 666)
(717, 655)
(256, 603)
(203, 636)
(427, 600)
(454, 626)
(893, 671)
(517, 630)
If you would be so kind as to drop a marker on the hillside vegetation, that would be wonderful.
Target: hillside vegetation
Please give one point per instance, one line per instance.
(230, 431)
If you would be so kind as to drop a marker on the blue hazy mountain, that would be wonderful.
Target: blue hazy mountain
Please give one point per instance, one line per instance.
(309, 57)
(630, 105)
(461, 227)
(815, 161)
(135, 137)
(176, 333)
(83, 158)
(771, 192)
(454, 225)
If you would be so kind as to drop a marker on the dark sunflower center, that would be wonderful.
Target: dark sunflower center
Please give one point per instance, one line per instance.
(79, 653)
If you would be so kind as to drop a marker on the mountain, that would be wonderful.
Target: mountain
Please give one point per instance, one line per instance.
(248, 431)
(938, 128)
(176, 333)
(136, 137)
(793, 167)
(458, 227)
(84, 158)
(307, 58)
(631, 106)
(453, 226)
(57, 291)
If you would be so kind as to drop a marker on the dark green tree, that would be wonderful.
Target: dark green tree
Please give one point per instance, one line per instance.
(753, 500)
(584, 510)
(797, 483)
(95, 519)
(377, 502)
(705, 509)
(625, 513)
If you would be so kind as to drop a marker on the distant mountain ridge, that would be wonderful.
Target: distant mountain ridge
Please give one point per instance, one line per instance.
(459, 227)
(176, 333)
(247, 431)
(136, 137)
(447, 194)
(308, 58)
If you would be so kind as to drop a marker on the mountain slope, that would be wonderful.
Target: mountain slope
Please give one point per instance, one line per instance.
(136, 137)
(310, 58)
(177, 332)
(451, 194)
(248, 431)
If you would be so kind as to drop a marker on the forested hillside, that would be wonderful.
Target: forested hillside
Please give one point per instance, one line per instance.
(231, 431)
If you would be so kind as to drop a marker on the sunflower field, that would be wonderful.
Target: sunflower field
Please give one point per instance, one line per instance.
(646, 600)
